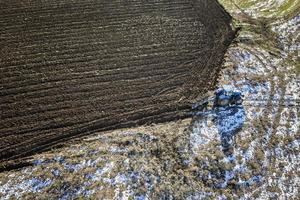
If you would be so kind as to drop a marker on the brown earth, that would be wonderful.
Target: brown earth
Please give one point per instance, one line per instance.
(72, 68)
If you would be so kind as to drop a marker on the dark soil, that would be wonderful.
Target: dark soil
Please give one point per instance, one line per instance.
(72, 68)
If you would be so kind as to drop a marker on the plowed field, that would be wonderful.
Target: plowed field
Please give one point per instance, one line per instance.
(71, 68)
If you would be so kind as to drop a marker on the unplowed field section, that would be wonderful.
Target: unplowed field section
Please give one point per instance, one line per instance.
(70, 68)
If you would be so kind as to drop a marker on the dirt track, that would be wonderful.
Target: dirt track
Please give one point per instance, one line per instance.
(70, 68)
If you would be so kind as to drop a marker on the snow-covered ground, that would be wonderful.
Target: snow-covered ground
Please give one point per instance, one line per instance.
(185, 159)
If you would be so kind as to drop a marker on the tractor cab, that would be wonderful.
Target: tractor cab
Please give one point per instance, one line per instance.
(225, 98)
(222, 99)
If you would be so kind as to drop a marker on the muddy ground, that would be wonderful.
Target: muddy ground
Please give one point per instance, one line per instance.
(71, 68)
(185, 159)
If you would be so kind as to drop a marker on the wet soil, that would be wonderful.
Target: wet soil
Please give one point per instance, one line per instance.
(72, 68)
